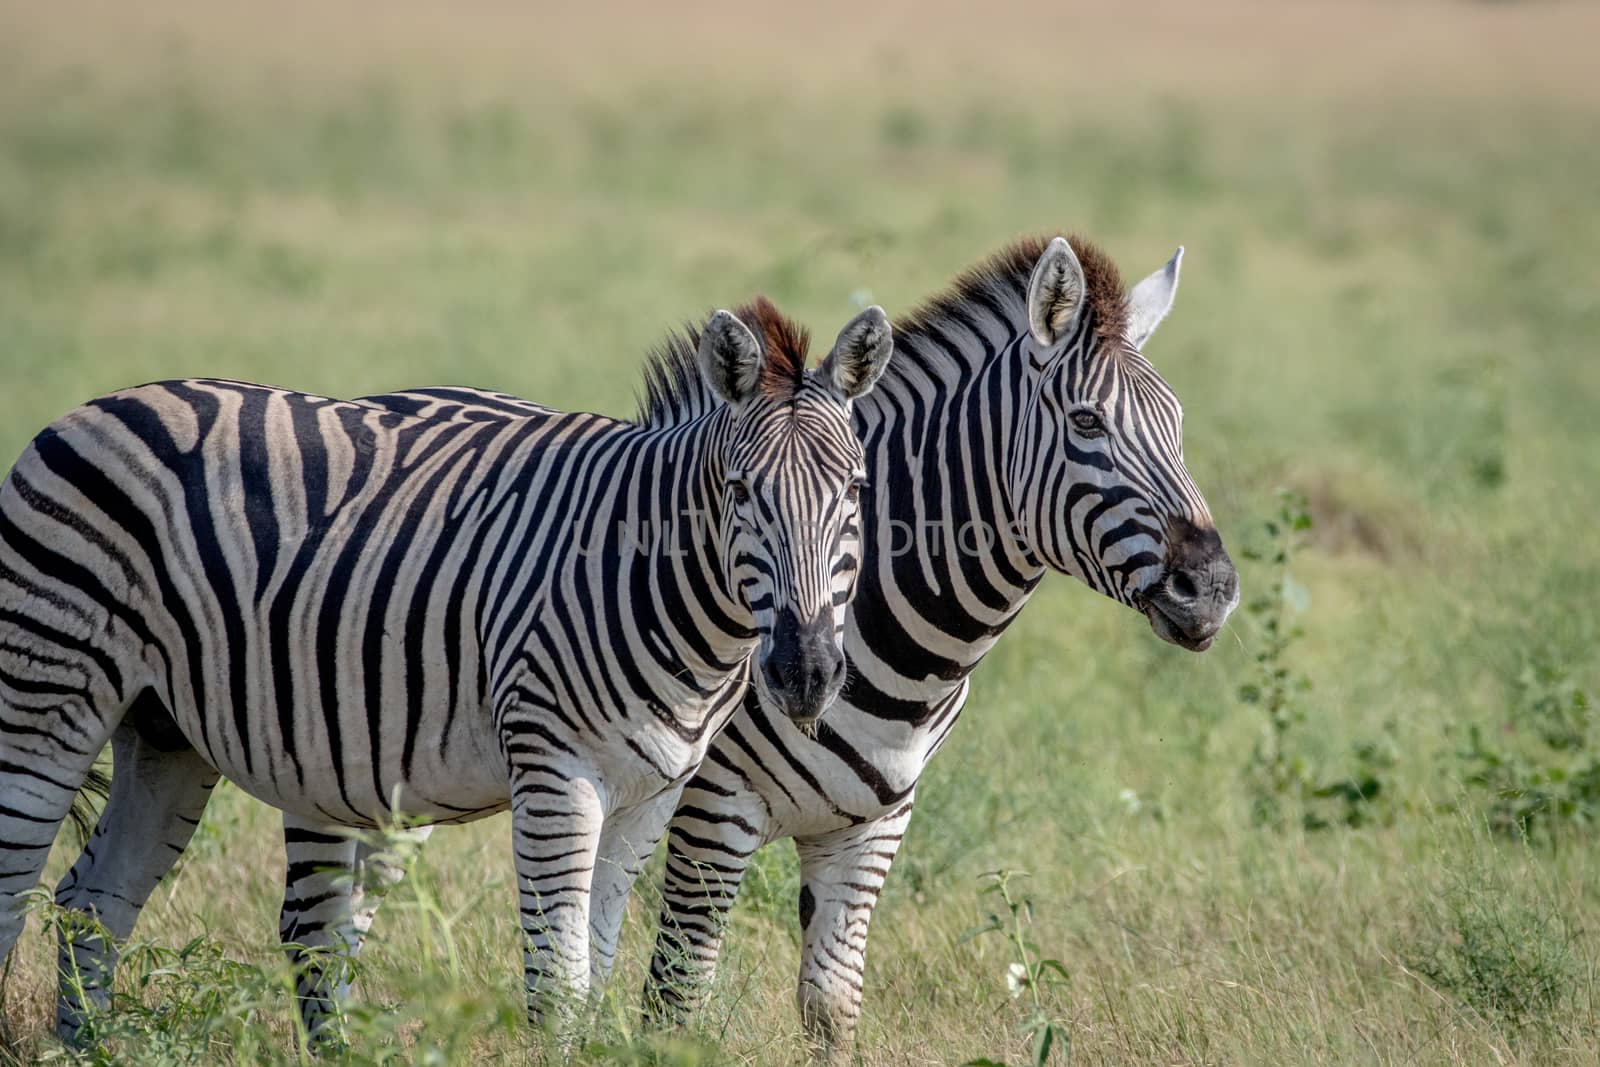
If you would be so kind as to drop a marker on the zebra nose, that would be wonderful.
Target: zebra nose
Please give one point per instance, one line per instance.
(804, 668)
(1199, 589)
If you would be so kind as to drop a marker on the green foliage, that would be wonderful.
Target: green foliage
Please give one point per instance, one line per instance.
(771, 885)
(648, 1050)
(1029, 976)
(1495, 943)
(197, 1004)
(1275, 771)
(1539, 773)
(1479, 446)
(1278, 775)
(178, 1006)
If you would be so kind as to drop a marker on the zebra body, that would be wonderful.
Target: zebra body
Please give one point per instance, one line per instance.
(1019, 404)
(355, 612)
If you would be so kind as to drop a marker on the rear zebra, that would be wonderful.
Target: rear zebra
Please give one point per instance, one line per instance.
(355, 612)
(1019, 431)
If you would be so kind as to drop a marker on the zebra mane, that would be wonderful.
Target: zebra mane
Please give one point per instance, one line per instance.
(1001, 283)
(675, 392)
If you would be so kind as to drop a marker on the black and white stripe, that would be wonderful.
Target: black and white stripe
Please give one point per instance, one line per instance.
(1019, 431)
(359, 610)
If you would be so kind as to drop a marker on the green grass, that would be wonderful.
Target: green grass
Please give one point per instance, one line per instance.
(1389, 306)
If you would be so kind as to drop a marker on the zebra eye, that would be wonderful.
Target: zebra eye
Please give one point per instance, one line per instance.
(740, 492)
(1087, 422)
(853, 493)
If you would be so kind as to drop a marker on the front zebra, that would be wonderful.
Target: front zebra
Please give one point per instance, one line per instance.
(354, 612)
(1020, 430)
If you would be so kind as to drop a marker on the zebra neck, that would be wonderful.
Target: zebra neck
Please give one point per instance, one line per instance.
(643, 575)
(944, 572)
(669, 564)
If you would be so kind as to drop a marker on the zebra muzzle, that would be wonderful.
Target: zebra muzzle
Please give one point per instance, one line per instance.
(802, 667)
(1197, 591)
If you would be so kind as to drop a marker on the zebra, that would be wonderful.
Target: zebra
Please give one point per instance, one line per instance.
(353, 612)
(1021, 430)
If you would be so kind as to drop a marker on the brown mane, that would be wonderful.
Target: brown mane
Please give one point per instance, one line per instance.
(1005, 275)
(674, 390)
(784, 344)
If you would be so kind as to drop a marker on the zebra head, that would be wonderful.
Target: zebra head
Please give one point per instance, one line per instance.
(1099, 481)
(792, 472)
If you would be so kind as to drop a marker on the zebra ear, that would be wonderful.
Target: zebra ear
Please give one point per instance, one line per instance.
(859, 355)
(730, 358)
(1150, 300)
(1055, 293)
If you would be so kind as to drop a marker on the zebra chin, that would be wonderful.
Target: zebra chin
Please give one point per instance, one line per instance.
(1169, 630)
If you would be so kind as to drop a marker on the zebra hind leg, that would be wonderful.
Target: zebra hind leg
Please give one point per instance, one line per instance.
(333, 886)
(159, 789)
(46, 757)
(705, 865)
(841, 875)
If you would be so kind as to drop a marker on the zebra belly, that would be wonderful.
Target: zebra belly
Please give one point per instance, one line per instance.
(460, 784)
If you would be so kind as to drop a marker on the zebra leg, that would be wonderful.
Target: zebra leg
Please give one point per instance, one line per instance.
(45, 755)
(317, 918)
(627, 842)
(333, 886)
(841, 875)
(555, 833)
(708, 850)
(159, 789)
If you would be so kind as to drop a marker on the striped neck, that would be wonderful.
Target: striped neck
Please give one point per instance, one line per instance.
(671, 552)
(945, 572)
(652, 559)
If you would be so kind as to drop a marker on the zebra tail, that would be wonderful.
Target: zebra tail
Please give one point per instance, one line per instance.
(90, 800)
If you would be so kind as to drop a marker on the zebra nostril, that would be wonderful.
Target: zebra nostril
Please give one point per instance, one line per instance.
(773, 674)
(1183, 586)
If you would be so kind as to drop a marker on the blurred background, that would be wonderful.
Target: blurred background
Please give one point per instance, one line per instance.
(1358, 830)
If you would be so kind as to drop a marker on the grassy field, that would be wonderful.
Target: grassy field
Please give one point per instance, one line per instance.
(1390, 304)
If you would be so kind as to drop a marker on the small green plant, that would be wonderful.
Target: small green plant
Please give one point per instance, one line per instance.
(1274, 771)
(1278, 776)
(1491, 942)
(173, 1006)
(1028, 977)
(1356, 798)
(1541, 771)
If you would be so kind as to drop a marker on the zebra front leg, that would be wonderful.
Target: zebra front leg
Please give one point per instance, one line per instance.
(627, 841)
(159, 789)
(555, 833)
(841, 875)
(708, 851)
(333, 886)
